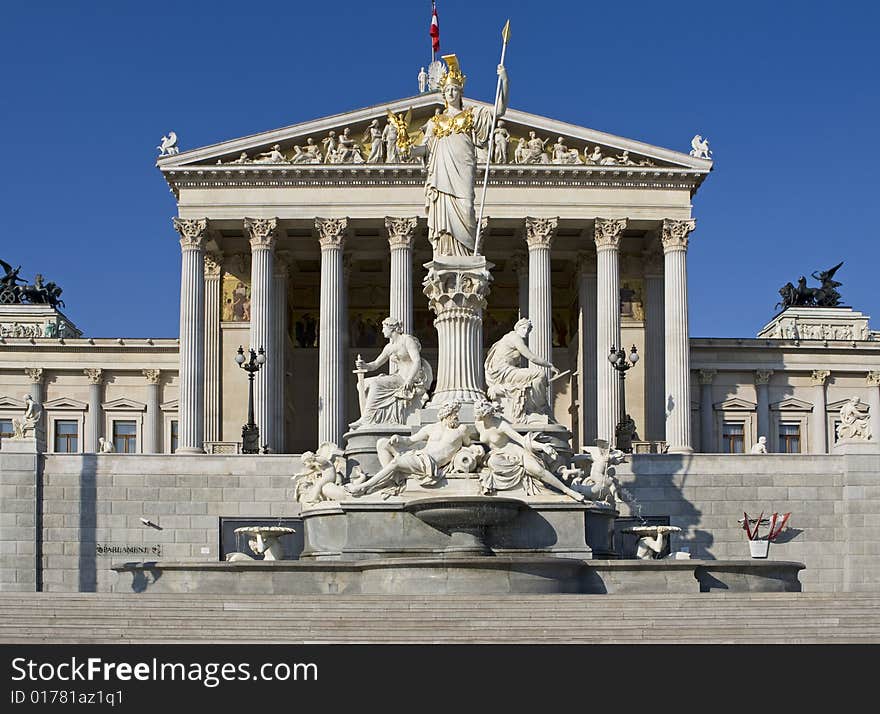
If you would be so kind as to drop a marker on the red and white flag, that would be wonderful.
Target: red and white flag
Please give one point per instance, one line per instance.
(435, 29)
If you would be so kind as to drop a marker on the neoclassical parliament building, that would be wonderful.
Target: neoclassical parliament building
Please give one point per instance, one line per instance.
(302, 240)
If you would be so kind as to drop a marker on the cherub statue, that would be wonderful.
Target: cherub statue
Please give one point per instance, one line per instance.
(168, 145)
(700, 148)
(322, 476)
(601, 484)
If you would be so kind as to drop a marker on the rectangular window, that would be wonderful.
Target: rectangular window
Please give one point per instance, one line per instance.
(733, 438)
(125, 437)
(6, 429)
(66, 437)
(789, 438)
(173, 435)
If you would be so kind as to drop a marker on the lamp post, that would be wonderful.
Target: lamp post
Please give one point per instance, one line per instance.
(250, 432)
(617, 358)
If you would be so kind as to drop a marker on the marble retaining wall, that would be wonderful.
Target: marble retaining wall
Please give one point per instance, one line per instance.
(80, 502)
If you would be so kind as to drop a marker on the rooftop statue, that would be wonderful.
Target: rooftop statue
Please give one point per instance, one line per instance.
(391, 398)
(700, 148)
(168, 145)
(40, 293)
(514, 459)
(451, 140)
(423, 81)
(825, 295)
(522, 391)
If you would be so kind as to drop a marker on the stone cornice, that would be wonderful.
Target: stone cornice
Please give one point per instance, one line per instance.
(331, 232)
(368, 175)
(261, 232)
(540, 231)
(401, 231)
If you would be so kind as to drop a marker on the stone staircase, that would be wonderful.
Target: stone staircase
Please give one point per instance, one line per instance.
(757, 618)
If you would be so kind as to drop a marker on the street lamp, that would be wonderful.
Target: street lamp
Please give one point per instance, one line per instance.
(250, 432)
(617, 358)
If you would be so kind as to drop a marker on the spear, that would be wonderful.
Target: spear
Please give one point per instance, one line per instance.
(505, 37)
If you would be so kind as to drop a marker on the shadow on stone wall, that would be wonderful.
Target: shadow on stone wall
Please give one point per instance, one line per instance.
(657, 485)
(88, 521)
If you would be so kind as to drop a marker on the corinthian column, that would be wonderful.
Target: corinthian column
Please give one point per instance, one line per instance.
(819, 432)
(192, 334)
(586, 271)
(331, 358)
(152, 421)
(707, 430)
(213, 263)
(674, 236)
(94, 416)
(539, 236)
(606, 235)
(654, 361)
(280, 339)
(762, 381)
(262, 233)
(400, 239)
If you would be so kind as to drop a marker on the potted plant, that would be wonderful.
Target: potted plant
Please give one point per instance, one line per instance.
(760, 545)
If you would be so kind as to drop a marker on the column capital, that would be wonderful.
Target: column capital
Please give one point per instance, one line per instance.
(401, 231)
(674, 234)
(819, 377)
(261, 232)
(34, 374)
(607, 232)
(872, 379)
(152, 375)
(331, 232)
(540, 231)
(762, 376)
(213, 264)
(193, 232)
(95, 374)
(707, 376)
(586, 264)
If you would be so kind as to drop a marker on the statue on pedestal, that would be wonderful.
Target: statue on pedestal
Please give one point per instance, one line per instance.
(24, 427)
(391, 398)
(442, 440)
(513, 458)
(522, 391)
(854, 425)
(451, 139)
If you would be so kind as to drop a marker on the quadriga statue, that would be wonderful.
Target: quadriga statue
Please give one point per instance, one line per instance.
(391, 398)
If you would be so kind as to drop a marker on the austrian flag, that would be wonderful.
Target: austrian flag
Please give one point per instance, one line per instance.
(435, 29)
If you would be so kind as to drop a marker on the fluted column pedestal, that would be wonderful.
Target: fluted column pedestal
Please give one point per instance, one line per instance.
(262, 233)
(456, 288)
(539, 236)
(674, 237)
(331, 357)
(654, 357)
(192, 335)
(94, 417)
(819, 431)
(762, 381)
(401, 232)
(707, 416)
(587, 409)
(606, 234)
(213, 271)
(152, 418)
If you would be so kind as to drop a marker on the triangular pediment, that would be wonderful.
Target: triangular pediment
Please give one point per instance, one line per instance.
(792, 404)
(169, 406)
(66, 403)
(735, 404)
(124, 404)
(11, 403)
(245, 153)
(835, 407)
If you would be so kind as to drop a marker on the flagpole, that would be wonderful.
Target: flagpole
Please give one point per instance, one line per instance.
(505, 36)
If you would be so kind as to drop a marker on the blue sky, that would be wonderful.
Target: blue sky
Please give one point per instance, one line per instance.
(787, 93)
